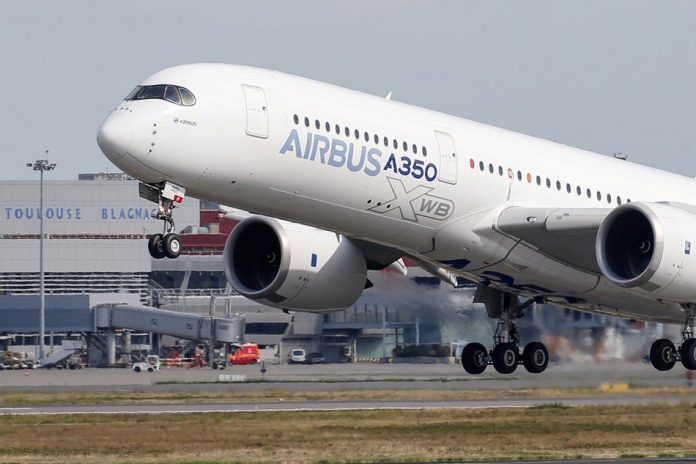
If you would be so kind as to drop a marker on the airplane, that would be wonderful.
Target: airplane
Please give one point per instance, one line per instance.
(339, 182)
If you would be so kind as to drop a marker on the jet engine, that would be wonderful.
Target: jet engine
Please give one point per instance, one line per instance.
(648, 245)
(291, 266)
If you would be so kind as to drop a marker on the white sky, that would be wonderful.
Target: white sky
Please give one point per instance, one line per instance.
(608, 76)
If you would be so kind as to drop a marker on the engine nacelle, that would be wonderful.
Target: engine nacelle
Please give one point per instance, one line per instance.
(648, 245)
(291, 266)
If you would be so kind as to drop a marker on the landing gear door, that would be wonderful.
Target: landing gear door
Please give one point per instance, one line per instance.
(256, 111)
(448, 158)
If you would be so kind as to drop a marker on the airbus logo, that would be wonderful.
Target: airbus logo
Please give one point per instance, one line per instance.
(414, 203)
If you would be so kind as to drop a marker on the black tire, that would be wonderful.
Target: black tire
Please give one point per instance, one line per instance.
(155, 246)
(149, 369)
(136, 368)
(505, 358)
(535, 357)
(688, 354)
(662, 354)
(474, 358)
(172, 246)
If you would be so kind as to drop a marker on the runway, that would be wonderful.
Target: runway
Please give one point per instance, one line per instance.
(298, 406)
(341, 377)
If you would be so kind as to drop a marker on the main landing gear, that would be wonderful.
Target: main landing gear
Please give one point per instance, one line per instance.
(664, 355)
(505, 355)
(167, 244)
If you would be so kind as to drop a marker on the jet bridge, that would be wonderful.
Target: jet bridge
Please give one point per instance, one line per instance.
(181, 325)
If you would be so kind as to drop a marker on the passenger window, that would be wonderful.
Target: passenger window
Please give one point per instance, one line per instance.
(548, 183)
(618, 200)
(599, 195)
(415, 151)
(306, 121)
(490, 167)
(328, 127)
(347, 132)
(568, 188)
(338, 129)
(367, 137)
(519, 175)
(171, 94)
(608, 198)
(396, 144)
(317, 124)
(558, 185)
(500, 170)
(481, 165)
(386, 142)
(356, 132)
(425, 152)
(589, 193)
(376, 139)
(538, 180)
(405, 146)
(296, 119)
(578, 190)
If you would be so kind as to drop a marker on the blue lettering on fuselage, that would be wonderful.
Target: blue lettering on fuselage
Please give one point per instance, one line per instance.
(338, 153)
(333, 152)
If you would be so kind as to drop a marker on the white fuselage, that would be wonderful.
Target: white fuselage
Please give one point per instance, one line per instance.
(325, 156)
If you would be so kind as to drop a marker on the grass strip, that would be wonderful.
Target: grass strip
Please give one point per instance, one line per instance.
(546, 432)
(253, 395)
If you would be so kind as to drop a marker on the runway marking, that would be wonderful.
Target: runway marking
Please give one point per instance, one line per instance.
(31, 412)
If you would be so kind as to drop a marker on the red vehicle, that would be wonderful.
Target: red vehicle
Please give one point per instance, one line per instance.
(244, 354)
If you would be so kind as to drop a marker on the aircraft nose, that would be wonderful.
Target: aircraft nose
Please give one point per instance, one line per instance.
(114, 136)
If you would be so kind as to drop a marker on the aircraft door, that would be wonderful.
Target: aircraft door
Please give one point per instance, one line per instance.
(448, 158)
(256, 111)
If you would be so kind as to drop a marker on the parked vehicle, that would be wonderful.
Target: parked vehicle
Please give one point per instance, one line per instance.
(297, 356)
(315, 358)
(244, 354)
(151, 364)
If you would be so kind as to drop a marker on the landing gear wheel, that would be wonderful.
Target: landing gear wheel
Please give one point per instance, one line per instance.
(172, 246)
(535, 357)
(505, 358)
(155, 246)
(688, 354)
(474, 358)
(662, 354)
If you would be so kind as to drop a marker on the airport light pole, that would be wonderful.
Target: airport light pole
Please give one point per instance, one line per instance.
(41, 166)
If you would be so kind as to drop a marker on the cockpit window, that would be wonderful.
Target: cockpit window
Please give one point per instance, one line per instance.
(150, 92)
(171, 93)
(187, 97)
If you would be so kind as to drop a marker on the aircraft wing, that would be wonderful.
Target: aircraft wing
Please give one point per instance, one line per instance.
(565, 234)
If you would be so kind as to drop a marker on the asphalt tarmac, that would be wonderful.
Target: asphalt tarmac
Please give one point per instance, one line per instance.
(342, 377)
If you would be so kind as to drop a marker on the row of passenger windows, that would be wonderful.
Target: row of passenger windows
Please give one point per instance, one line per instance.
(357, 134)
(579, 191)
(171, 93)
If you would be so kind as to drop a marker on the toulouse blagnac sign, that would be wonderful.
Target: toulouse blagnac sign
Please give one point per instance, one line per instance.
(79, 213)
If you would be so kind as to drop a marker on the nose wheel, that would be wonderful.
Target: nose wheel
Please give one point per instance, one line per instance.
(164, 246)
(168, 196)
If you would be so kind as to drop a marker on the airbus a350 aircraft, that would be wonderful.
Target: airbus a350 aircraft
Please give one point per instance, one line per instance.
(340, 182)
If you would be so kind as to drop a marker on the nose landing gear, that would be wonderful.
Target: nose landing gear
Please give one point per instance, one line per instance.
(168, 196)
(505, 355)
(664, 355)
